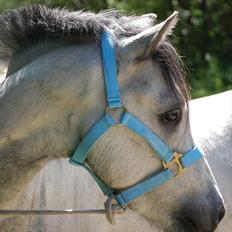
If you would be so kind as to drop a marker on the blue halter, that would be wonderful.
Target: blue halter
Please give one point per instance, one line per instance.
(170, 159)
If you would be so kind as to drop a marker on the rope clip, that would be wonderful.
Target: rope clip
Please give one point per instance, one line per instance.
(112, 208)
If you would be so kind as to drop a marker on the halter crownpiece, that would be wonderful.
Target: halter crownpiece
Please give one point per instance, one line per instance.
(173, 163)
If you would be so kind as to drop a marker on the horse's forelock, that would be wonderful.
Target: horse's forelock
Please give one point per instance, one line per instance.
(172, 68)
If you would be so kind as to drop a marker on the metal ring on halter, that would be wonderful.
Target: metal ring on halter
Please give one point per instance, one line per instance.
(109, 111)
(112, 208)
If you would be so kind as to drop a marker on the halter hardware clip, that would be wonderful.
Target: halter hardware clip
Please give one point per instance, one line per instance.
(116, 113)
(112, 208)
(175, 164)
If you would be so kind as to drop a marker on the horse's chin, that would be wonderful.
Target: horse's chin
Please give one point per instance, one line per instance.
(181, 225)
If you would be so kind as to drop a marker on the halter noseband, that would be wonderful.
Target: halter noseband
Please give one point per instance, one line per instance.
(173, 163)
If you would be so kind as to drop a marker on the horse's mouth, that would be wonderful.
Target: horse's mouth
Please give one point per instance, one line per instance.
(188, 224)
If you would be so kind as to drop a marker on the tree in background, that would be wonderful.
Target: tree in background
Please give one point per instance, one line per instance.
(203, 37)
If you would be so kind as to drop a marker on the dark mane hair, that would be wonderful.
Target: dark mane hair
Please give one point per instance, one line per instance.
(172, 68)
(26, 26)
(23, 27)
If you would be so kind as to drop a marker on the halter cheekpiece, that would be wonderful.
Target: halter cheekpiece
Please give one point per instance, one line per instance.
(173, 162)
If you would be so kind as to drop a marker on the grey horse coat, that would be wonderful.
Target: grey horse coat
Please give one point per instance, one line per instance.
(61, 186)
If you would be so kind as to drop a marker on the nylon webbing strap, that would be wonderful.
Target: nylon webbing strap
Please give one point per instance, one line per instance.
(156, 180)
(190, 157)
(133, 123)
(90, 139)
(110, 71)
(145, 186)
(104, 187)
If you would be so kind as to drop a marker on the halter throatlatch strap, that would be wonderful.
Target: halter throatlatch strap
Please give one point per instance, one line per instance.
(173, 163)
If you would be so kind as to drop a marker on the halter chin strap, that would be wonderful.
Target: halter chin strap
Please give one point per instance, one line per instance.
(173, 163)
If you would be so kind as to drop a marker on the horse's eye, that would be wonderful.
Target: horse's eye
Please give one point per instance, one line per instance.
(171, 117)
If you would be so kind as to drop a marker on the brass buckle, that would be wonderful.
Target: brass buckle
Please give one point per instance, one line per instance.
(175, 164)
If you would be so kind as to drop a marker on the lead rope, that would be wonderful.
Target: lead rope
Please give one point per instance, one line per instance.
(111, 209)
(34, 212)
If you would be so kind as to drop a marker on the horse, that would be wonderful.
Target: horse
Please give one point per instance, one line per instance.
(212, 129)
(60, 177)
(54, 92)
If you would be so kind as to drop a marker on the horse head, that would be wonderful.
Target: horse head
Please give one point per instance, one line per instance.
(55, 92)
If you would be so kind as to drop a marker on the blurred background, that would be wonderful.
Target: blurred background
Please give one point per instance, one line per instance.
(203, 36)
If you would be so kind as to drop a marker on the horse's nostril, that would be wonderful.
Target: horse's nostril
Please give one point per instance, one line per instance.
(221, 213)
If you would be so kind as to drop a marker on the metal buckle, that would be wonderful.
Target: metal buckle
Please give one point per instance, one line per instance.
(112, 208)
(175, 164)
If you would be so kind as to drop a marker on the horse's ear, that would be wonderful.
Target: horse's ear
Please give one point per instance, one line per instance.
(165, 29)
(146, 42)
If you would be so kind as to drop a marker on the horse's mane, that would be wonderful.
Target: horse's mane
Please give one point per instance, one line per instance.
(26, 26)
(23, 27)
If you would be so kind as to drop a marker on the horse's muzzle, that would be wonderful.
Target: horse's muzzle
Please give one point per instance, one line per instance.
(203, 220)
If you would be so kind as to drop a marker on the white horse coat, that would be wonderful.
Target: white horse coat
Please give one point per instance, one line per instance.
(211, 124)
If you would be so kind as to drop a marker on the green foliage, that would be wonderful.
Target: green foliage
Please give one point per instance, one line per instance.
(203, 38)
(203, 35)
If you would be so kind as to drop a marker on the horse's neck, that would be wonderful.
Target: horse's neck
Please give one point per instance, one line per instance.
(72, 83)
